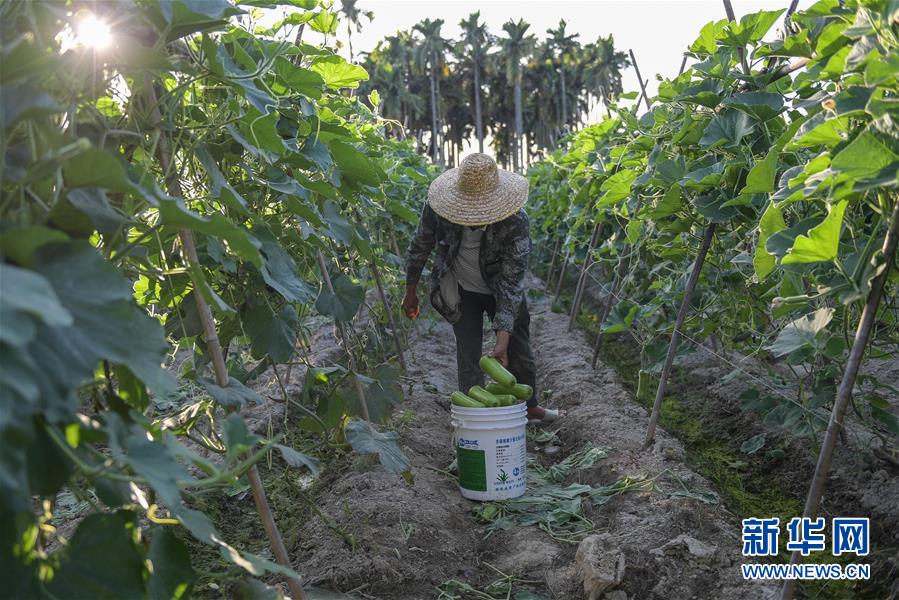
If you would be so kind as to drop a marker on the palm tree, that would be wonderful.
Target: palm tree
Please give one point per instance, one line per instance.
(430, 54)
(515, 47)
(475, 40)
(603, 66)
(353, 18)
(564, 47)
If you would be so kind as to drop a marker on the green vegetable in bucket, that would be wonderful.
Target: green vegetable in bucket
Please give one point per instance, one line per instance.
(496, 371)
(460, 399)
(483, 396)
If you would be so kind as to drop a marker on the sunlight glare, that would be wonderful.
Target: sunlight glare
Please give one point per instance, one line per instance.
(93, 32)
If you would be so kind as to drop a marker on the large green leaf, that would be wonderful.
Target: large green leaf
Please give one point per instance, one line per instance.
(617, 187)
(188, 16)
(822, 242)
(801, 333)
(338, 73)
(874, 153)
(751, 28)
(272, 334)
(771, 222)
(171, 575)
(727, 129)
(279, 269)
(120, 573)
(354, 166)
(344, 302)
(365, 439)
(761, 105)
(24, 101)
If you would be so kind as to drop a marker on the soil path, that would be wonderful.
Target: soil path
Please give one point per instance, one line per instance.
(386, 539)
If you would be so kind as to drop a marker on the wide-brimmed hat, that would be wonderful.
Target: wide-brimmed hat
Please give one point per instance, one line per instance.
(477, 192)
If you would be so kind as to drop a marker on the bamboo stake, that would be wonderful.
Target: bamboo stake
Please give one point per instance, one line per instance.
(345, 338)
(729, 9)
(844, 394)
(582, 278)
(675, 335)
(609, 303)
(562, 274)
(213, 345)
(376, 273)
(640, 80)
(552, 262)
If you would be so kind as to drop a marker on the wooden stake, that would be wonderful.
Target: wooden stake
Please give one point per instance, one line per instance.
(214, 347)
(582, 278)
(676, 334)
(552, 262)
(640, 80)
(562, 274)
(844, 393)
(345, 338)
(376, 274)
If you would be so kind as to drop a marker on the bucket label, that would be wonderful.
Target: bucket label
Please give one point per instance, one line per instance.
(510, 462)
(472, 469)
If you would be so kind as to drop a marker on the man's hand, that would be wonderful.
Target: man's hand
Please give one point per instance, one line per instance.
(410, 302)
(501, 350)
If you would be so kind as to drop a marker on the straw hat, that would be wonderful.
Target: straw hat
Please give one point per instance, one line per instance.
(477, 192)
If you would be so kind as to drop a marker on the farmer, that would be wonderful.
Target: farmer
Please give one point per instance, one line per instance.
(474, 216)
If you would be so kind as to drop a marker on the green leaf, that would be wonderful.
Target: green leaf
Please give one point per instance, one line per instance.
(761, 105)
(872, 154)
(751, 28)
(761, 177)
(822, 130)
(343, 303)
(298, 79)
(365, 439)
(221, 187)
(823, 240)
(771, 222)
(617, 187)
(171, 575)
(325, 22)
(801, 333)
(120, 573)
(621, 317)
(753, 444)
(669, 204)
(271, 334)
(354, 166)
(20, 243)
(338, 73)
(234, 395)
(727, 129)
(707, 42)
(188, 16)
(25, 101)
(279, 269)
(92, 202)
(298, 459)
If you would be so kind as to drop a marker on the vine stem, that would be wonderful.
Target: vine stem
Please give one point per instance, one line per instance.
(582, 279)
(676, 334)
(345, 338)
(173, 183)
(558, 289)
(844, 394)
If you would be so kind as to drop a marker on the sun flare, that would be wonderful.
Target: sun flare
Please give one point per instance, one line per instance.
(93, 32)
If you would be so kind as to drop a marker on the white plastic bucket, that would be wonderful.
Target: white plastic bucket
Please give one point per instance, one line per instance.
(491, 451)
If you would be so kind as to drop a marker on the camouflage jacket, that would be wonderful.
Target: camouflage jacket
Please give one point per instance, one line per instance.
(503, 259)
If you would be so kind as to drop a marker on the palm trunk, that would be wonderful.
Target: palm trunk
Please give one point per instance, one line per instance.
(435, 144)
(479, 128)
(349, 39)
(519, 124)
(564, 98)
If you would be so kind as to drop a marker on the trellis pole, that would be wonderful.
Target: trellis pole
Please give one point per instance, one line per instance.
(676, 334)
(639, 80)
(582, 279)
(214, 347)
(844, 393)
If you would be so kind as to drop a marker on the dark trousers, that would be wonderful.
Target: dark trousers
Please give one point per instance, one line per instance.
(470, 338)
